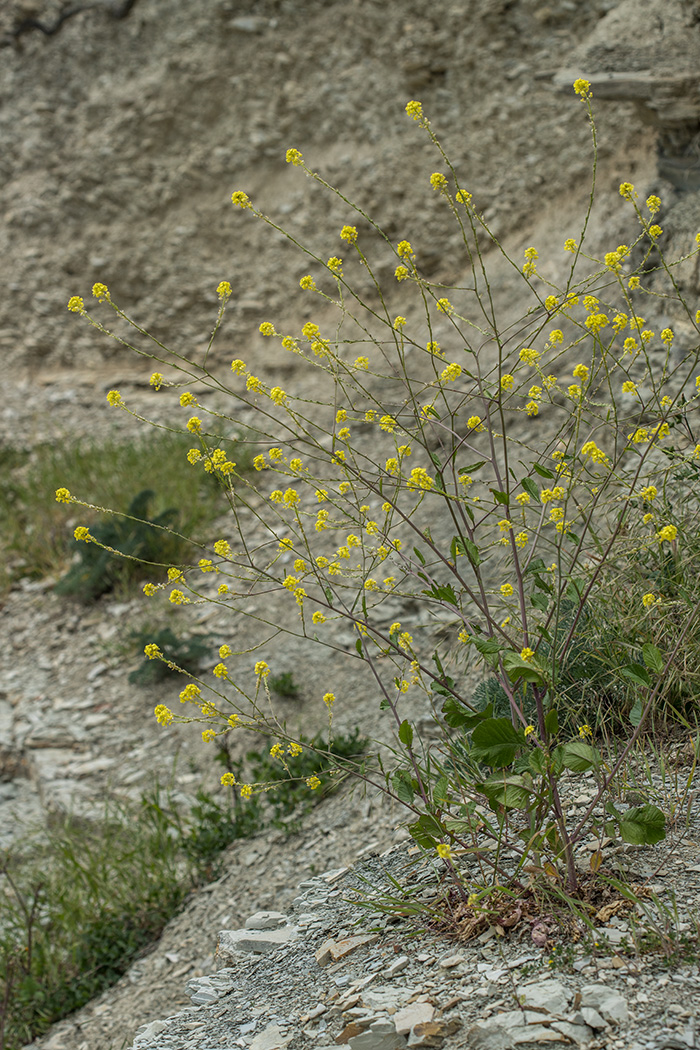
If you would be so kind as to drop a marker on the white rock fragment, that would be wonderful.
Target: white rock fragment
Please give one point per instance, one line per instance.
(265, 920)
(258, 942)
(552, 996)
(609, 1003)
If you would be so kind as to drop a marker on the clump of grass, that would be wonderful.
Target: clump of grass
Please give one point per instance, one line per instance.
(36, 540)
(77, 909)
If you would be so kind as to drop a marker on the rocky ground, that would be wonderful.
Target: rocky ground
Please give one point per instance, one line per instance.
(122, 139)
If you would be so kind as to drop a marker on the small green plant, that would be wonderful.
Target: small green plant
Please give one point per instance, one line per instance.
(124, 545)
(284, 685)
(188, 653)
(34, 540)
(515, 478)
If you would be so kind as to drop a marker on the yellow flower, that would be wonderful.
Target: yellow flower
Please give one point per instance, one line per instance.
(329, 699)
(507, 381)
(628, 387)
(63, 496)
(240, 199)
(445, 306)
(149, 589)
(464, 197)
(223, 290)
(178, 598)
(414, 109)
(401, 273)
(294, 749)
(633, 283)
(581, 372)
(267, 328)
(627, 191)
(582, 88)
(222, 548)
(221, 670)
(313, 782)
(521, 540)
(474, 423)
(362, 362)
(506, 589)
(404, 249)
(238, 366)
(584, 731)
(655, 232)
(101, 292)
(318, 617)
(164, 715)
(527, 654)
(387, 423)
(114, 398)
(653, 203)
(523, 498)
(76, 305)
(649, 492)
(648, 599)
(194, 425)
(569, 244)
(668, 533)
(529, 356)
(443, 850)
(451, 373)
(532, 408)
(335, 265)
(293, 156)
(433, 348)
(349, 234)
(438, 180)
(261, 669)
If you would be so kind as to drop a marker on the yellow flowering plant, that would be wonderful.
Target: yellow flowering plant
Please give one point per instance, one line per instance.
(435, 475)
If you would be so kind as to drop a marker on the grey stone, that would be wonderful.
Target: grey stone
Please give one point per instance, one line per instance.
(265, 920)
(579, 1033)
(609, 1003)
(147, 1032)
(258, 942)
(549, 995)
(381, 1035)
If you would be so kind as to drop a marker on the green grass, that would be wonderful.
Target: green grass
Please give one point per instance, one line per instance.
(79, 907)
(37, 533)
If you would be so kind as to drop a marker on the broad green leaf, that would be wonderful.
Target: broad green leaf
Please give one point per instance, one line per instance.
(517, 668)
(574, 590)
(472, 466)
(510, 792)
(635, 715)
(472, 552)
(420, 557)
(636, 673)
(459, 717)
(531, 489)
(537, 761)
(431, 825)
(440, 790)
(488, 646)
(542, 471)
(551, 722)
(406, 733)
(540, 601)
(643, 825)
(500, 497)
(495, 742)
(457, 548)
(579, 756)
(421, 836)
(653, 658)
(402, 782)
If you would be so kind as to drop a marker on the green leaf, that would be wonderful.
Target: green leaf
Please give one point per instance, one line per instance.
(551, 722)
(406, 733)
(443, 593)
(440, 790)
(472, 466)
(537, 761)
(383, 703)
(472, 552)
(575, 590)
(457, 547)
(635, 715)
(500, 497)
(418, 555)
(540, 602)
(495, 742)
(531, 489)
(636, 673)
(459, 717)
(517, 668)
(421, 836)
(653, 658)
(358, 646)
(431, 825)
(487, 646)
(329, 595)
(643, 825)
(511, 792)
(542, 471)
(402, 782)
(579, 756)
